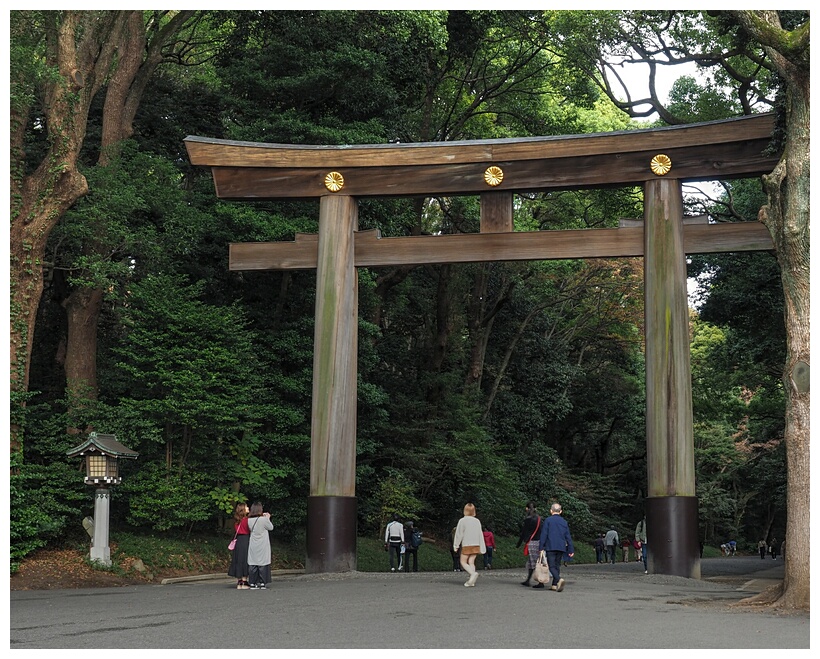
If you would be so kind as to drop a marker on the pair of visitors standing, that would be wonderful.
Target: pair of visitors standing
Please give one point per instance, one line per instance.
(529, 537)
(556, 541)
(611, 541)
(470, 538)
(239, 557)
(259, 553)
(251, 558)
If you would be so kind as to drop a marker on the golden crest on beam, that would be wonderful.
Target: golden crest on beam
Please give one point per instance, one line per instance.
(661, 164)
(493, 176)
(334, 181)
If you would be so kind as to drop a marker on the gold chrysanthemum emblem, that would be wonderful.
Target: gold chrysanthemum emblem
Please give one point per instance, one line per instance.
(493, 176)
(334, 181)
(661, 164)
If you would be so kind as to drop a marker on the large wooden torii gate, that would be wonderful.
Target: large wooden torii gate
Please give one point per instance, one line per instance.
(658, 159)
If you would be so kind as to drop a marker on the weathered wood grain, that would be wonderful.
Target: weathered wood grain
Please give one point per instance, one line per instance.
(709, 151)
(372, 250)
(690, 164)
(227, 153)
(333, 426)
(669, 435)
(496, 212)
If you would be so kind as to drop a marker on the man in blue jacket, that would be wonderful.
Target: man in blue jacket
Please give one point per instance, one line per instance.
(555, 540)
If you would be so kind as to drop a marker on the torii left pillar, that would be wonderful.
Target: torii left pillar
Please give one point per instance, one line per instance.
(331, 510)
(671, 506)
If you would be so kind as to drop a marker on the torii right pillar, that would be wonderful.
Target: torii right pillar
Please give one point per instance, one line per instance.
(671, 506)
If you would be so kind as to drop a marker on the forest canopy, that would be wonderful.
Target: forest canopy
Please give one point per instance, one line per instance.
(496, 383)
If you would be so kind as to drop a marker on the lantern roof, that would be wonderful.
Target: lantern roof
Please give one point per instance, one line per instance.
(105, 444)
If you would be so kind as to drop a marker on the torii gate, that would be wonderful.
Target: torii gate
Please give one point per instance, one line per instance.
(659, 159)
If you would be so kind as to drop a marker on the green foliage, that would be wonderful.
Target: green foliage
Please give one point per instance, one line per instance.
(170, 551)
(162, 499)
(43, 502)
(492, 383)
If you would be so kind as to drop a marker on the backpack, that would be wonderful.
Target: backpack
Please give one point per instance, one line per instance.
(416, 540)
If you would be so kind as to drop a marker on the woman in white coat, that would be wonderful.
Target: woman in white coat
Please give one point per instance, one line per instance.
(259, 554)
(470, 537)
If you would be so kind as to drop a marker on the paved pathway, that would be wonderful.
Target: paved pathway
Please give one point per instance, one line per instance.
(602, 606)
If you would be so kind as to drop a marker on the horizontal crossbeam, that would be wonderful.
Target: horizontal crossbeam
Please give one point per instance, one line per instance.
(372, 250)
(734, 148)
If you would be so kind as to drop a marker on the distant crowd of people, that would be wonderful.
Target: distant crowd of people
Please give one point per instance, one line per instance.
(547, 545)
(607, 544)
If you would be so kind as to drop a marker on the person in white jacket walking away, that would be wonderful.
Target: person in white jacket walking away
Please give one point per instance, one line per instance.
(470, 537)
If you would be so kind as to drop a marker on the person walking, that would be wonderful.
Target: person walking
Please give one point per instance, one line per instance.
(625, 544)
(773, 549)
(611, 541)
(600, 547)
(470, 538)
(636, 546)
(761, 547)
(411, 538)
(259, 553)
(556, 540)
(640, 534)
(489, 542)
(455, 553)
(394, 540)
(529, 537)
(239, 557)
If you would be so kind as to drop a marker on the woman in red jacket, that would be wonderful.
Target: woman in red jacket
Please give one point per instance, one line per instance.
(239, 559)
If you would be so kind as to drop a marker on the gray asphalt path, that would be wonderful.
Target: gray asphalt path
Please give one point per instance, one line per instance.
(602, 606)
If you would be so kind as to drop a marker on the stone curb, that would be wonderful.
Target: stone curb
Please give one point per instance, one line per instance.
(217, 577)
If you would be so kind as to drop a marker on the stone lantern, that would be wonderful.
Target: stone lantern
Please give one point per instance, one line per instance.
(101, 454)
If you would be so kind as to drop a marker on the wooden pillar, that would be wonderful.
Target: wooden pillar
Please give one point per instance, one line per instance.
(671, 505)
(331, 524)
(496, 212)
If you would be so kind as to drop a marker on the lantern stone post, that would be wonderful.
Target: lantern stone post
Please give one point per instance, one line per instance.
(101, 453)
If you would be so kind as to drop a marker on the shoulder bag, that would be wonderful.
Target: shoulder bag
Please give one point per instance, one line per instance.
(542, 571)
(232, 543)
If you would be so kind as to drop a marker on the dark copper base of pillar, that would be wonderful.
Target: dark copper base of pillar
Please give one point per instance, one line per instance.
(331, 534)
(672, 536)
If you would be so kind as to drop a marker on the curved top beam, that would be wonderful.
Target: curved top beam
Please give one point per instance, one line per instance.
(720, 149)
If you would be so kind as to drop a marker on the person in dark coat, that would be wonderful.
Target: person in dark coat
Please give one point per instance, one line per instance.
(598, 543)
(555, 541)
(410, 551)
(529, 537)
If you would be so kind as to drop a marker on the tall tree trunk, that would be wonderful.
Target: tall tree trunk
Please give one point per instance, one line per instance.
(477, 329)
(482, 314)
(78, 47)
(137, 60)
(82, 311)
(442, 329)
(787, 216)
